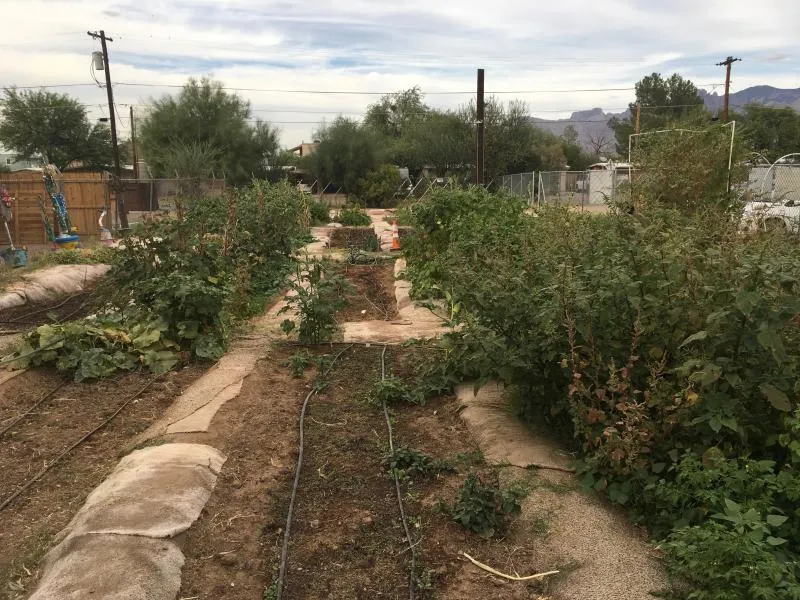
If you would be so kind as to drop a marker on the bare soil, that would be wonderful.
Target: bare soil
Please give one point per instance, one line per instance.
(371, 293)
(23, 318)
(347, 539)
(33, 519)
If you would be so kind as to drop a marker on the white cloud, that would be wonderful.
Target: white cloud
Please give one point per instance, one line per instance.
(370, 46)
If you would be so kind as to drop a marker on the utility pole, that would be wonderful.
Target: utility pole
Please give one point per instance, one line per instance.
(122, 215)
(727, 64)
(638, 126)
(481, 131)
(133, 147)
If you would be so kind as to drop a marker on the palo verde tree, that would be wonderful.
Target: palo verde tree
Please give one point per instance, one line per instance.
(662, 102)
(204, 115)
(54, 126)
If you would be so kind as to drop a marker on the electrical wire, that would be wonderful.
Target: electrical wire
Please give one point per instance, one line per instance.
(350, 92)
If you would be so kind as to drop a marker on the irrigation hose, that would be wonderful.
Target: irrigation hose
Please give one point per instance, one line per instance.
(45, 309)
(298, 467)
(55, 461)
(411, 545)
(39, 402)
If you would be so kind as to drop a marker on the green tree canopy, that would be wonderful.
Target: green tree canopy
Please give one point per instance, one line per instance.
(393, 114)
(378, 187)
(662, 101)
(54, 126)
(346, 153)
(774, 132)
(513, 143)
(442, 140)
(577, 158)
(204, 115)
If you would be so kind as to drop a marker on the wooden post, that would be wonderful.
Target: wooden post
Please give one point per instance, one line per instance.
(481, 132)
(123, 215)
(133, 148)
(726, 102)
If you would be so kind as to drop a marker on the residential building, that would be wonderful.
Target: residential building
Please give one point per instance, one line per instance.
(10, 162)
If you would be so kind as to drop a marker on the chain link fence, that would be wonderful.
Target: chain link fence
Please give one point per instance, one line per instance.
(781, 182)
(522, 185)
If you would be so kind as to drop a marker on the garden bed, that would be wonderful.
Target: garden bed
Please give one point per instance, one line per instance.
(347, 540)
(370, 293)
(31, 521)
(361, 237)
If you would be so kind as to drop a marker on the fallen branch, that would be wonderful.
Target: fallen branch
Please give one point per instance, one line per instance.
(530, 466)
(328, 424)
(499, 574)
(549, 467)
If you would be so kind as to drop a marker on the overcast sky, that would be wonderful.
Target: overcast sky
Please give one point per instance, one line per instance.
(532, 47)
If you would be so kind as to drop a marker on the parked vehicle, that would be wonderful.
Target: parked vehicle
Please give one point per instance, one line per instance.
(762, 215)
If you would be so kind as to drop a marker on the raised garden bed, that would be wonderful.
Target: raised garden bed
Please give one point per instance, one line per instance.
(361, 237)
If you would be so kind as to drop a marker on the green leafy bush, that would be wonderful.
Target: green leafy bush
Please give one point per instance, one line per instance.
(316, 296)
(319, 212)
(484, 508)
(378, 187)
(665, 344)
(353, 216)
(299, 362)
(407, 461)
(177, 286)
(392, 390)
(732, 556)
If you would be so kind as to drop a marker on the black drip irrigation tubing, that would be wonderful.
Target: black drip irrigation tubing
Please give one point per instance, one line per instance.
(22, 319)
(411, 545)
(286, 534)
(55, 461)
(39, 402)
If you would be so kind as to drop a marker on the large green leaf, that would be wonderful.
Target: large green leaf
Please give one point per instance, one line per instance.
(699, 336)
(146, 339)
(778, 399)
(160, 361)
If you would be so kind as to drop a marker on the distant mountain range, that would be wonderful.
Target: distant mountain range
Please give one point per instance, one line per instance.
(595, 134)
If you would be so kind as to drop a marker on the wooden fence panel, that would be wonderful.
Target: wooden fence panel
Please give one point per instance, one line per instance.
(86, 195)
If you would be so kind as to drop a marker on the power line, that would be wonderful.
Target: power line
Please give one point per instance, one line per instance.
(348, 92)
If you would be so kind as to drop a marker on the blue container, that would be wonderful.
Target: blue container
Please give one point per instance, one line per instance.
(14, 258)
(67, 242)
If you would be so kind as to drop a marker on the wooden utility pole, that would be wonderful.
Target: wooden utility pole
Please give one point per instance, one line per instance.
(122, 215)
(133, 147)
(638, 126)
(481, 131)
(727, 64)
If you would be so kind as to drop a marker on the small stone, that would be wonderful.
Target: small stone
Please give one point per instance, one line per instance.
(314, 524)
(367, 521)
(229, 560)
